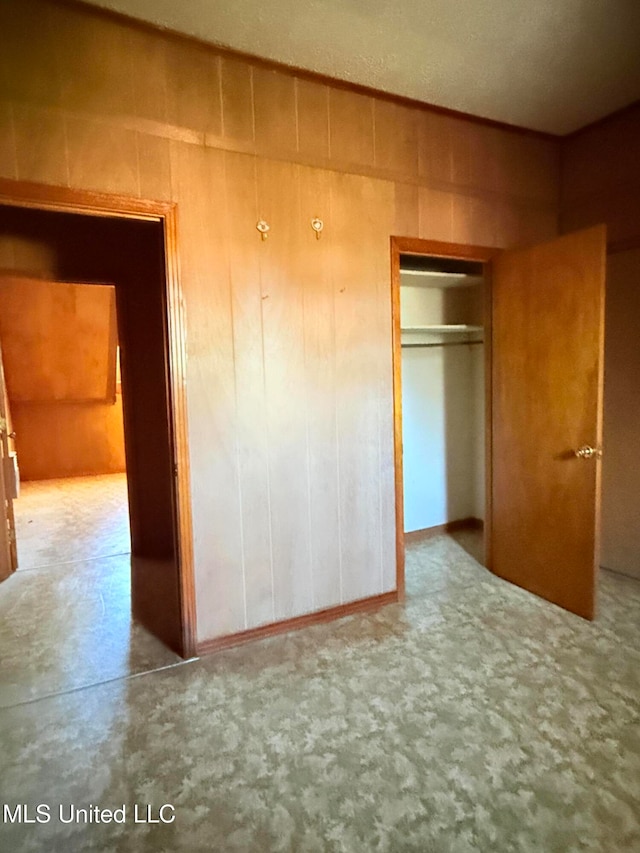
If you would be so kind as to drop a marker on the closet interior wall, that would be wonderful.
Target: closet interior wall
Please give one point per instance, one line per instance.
(443, 403)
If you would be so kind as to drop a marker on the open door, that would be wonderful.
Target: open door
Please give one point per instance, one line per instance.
(8, 486)
(547, 380)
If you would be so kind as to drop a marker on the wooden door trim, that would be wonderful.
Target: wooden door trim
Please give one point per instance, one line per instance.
(62, 199)
(435, 248)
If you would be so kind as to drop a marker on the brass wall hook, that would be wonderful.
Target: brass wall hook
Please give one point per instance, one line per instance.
(263, 227)
(317, 225)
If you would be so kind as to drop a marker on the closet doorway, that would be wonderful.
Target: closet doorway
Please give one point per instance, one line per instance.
(441, 303)
(442, 322)
(543, 341)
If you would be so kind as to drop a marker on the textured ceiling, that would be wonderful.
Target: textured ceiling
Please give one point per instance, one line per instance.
(551, 65)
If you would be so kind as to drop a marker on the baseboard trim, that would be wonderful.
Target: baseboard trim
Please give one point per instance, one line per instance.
(447, 527)
(329, 614)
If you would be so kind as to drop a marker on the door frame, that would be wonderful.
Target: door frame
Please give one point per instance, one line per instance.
(436, 248)
(62, 199)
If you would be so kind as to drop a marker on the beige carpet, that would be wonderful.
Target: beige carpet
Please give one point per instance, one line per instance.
(475, 718)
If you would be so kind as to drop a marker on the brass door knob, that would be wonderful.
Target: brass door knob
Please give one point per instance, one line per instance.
(588, 452)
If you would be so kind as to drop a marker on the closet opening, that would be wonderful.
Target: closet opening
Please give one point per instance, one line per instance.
(441, 376)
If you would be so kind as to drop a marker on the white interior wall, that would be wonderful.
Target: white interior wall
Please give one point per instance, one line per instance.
(478, 431)
(442, 417)
(621, 460)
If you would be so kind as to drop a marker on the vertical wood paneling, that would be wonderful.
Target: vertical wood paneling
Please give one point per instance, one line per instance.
(275, 111)
(28, 69)
(527, 167)
(518, 226)
(476, 155)
(41, 146)
(601, 178)
(102, 157)
(251, 430)
(406, 221)
(473, 221)
(193, 87)
(198, 180)
(94, 63)
(286, 396)
(351, 127)
(379, 257)
(312, 102)
(237, 100)
(355, 206)
(314, 272)
(434, 146)
(154, 164)
(8, 160)
(435, 210)
(149, 69)
(396, 138)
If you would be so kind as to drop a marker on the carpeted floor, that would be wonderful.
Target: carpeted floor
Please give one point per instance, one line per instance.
(65, 615)
(474, 718)
(71, 519)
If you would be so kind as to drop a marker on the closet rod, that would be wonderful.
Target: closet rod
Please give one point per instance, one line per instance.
(444, 344)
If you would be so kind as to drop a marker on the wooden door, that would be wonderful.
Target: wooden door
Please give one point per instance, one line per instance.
(8, 552)
(547, 338)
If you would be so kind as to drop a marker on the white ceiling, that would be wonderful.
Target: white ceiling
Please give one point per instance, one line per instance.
(551, 65)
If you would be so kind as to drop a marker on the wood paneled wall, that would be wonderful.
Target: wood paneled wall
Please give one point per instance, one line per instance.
(601, 178)
(289, 339)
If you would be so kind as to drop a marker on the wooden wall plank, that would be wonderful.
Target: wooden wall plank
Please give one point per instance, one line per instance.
(193, 87)
(149, 75)
(314, 272)
(396, 138)
(354, 207)
(198, 176)
(378, 255)
(435, 210)
(406, 221)
(102, 157)
(275, 112)
(93, 63)
(473, 221)
(237, 100)
(435, 160)
(28, 67)
(8, 153)
(41, 144)
(312, 101)
(286, 402)
(245, 249)
(351, 128)
(601, 179)
(154, 165)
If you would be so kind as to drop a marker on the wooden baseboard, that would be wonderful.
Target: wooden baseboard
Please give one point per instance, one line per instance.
(448, 527)
(363, 605)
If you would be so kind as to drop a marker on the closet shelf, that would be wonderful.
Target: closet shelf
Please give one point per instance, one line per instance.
(444, 329)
